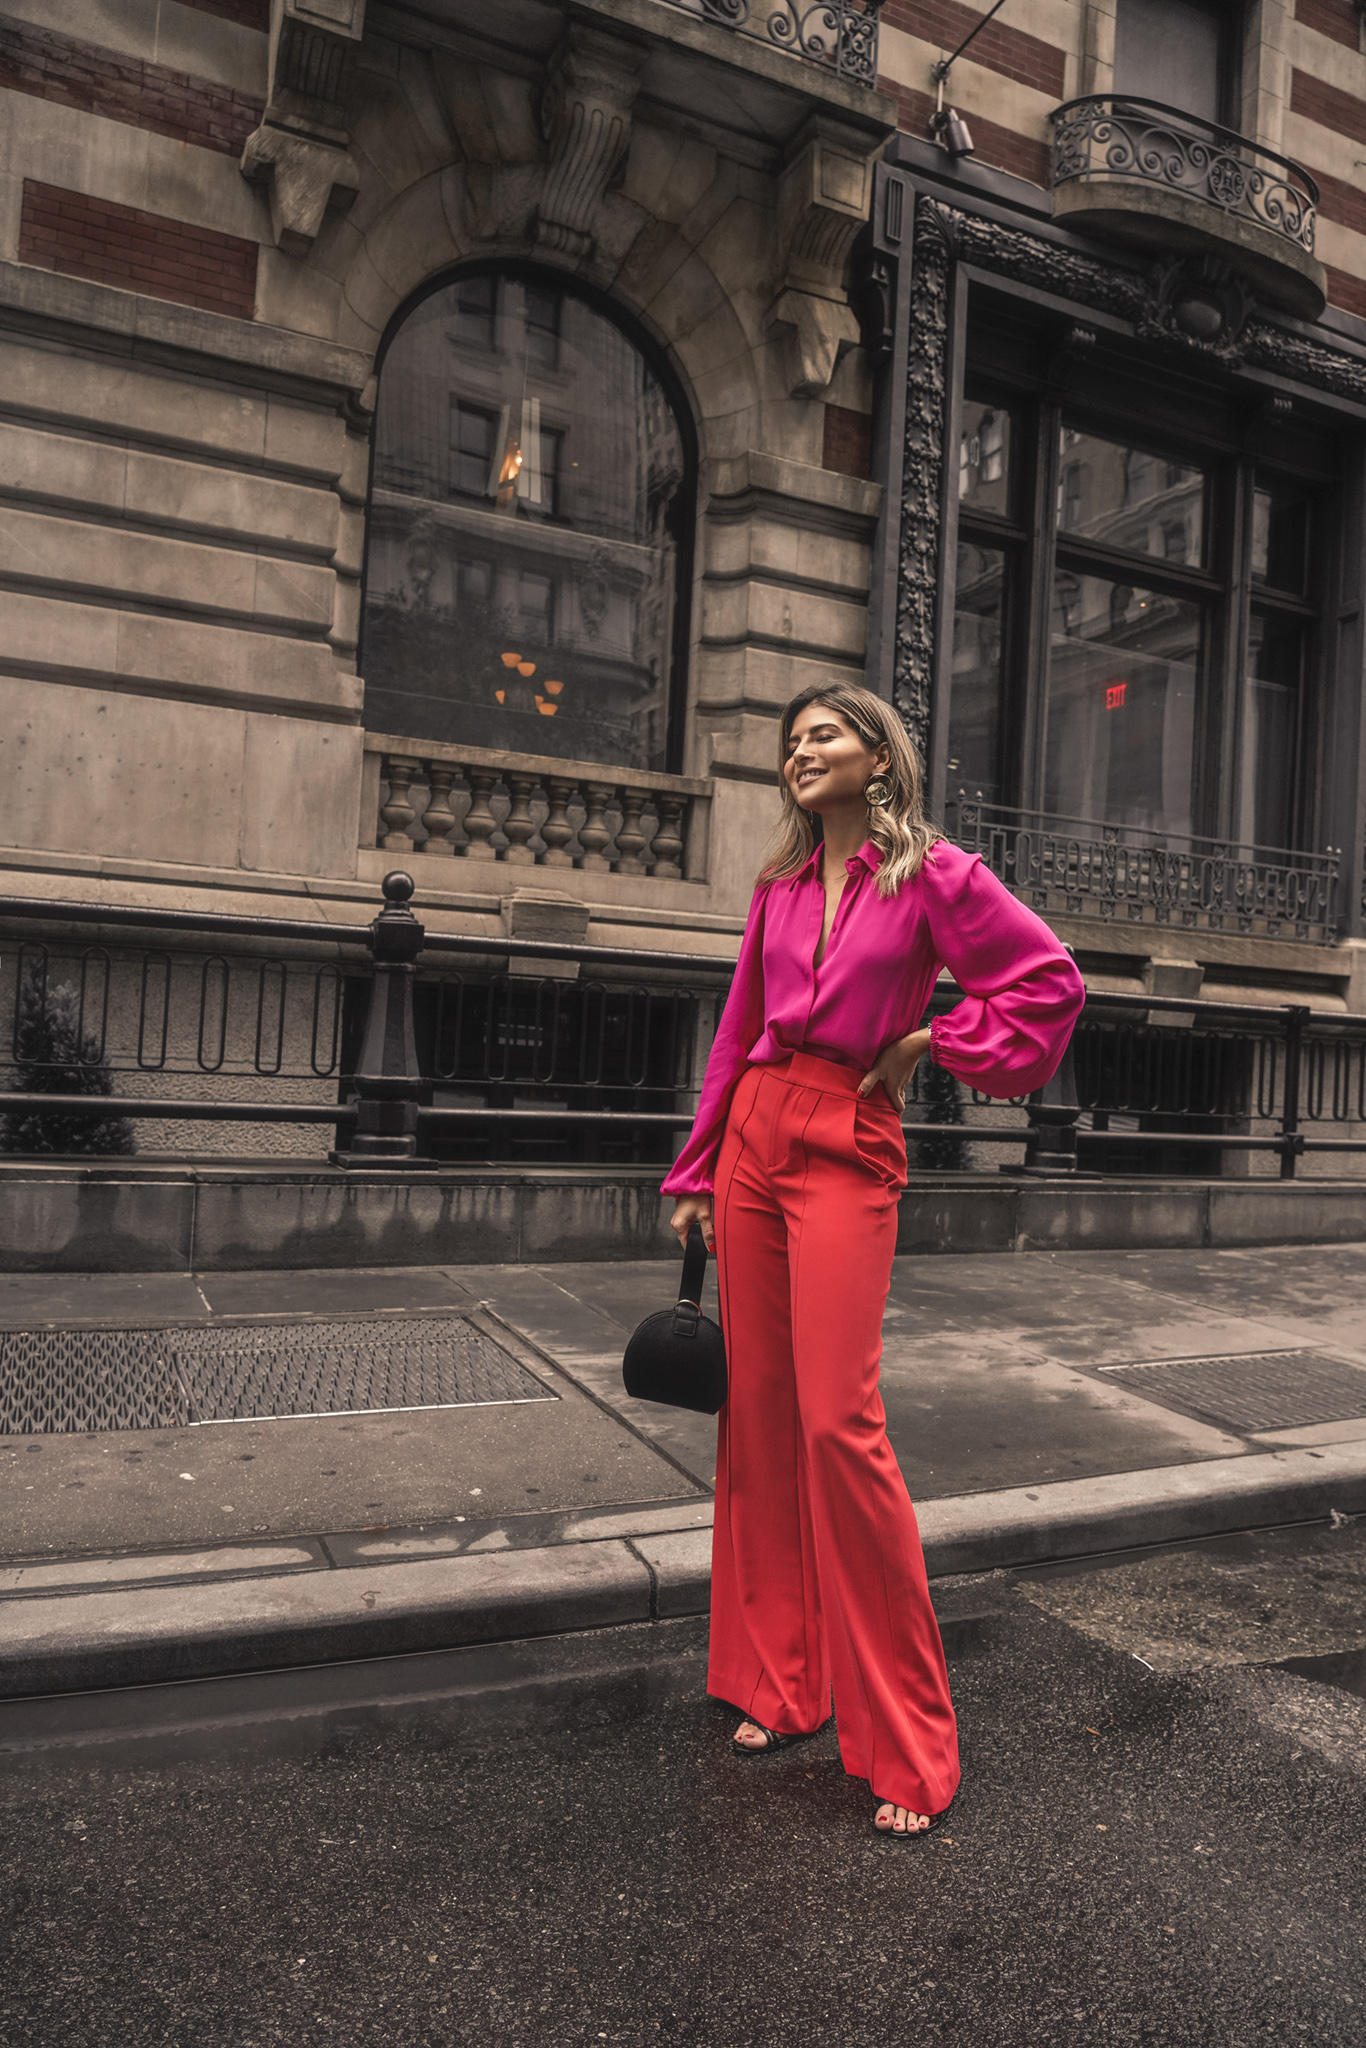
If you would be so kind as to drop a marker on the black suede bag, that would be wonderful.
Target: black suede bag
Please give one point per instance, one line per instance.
(678, 1355)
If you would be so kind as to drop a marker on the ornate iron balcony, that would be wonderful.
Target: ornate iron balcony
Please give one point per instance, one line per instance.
(1092, 868)
(1109, 135)
(838, 34)
(1149, 173)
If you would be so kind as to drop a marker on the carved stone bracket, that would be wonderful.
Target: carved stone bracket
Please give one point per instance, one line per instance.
(299, 152)
(586, 120)
(823, 199)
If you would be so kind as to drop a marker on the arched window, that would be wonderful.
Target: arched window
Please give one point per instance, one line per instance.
(527, 550)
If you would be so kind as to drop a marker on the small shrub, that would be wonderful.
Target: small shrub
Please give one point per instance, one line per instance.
(54, 1057)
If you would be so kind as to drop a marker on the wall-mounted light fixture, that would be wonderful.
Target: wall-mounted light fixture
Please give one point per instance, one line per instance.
(947, 126)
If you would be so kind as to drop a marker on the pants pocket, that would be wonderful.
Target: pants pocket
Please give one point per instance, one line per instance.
(879, 1140)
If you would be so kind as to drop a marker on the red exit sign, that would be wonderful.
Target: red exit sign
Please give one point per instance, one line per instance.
(1114, 695)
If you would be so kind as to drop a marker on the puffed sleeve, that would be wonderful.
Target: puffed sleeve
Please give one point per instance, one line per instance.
(741, 1022)
(1023, 992)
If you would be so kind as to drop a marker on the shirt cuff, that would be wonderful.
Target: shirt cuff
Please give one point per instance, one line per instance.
(677, 1193)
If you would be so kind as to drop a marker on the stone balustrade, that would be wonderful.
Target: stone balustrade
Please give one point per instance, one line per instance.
(534, 811)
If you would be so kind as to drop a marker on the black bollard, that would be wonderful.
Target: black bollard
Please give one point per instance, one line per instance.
(1051, 1145)
(388, 1079)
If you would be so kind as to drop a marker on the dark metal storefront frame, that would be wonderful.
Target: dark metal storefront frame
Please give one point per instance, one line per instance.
(939, 237)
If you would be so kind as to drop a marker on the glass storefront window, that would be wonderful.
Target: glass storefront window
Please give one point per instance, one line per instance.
(526, 513)
(1280, 536)
(1143, 651)
(1122, 701)
(1128, 498)
(1276, 650)
(974, 762)
(984, 479)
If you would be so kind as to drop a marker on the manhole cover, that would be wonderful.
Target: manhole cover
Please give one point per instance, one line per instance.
(65, 1381)
(1253, 1390)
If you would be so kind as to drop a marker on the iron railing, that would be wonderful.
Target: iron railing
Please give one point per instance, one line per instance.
(1114, 136)
(1091, 867)
(838, 34)
(378, 1031)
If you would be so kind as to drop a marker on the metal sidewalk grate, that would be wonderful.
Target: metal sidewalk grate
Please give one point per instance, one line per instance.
(1253, 1390)
(75, 1381)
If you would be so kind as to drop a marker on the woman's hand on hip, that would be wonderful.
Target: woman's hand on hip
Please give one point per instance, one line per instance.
(894, 1067)
(693, 1209)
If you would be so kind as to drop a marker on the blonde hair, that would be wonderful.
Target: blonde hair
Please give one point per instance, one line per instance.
(899, 827)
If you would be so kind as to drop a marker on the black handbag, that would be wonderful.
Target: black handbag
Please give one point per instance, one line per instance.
(678, 1355)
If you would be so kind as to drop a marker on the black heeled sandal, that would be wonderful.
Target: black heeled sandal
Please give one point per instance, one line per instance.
(904, 1834)
(775, 1739)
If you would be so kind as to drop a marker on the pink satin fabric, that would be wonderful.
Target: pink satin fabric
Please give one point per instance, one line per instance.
(1022, 997)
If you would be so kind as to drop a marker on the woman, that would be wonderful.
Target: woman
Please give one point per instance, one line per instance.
(794, 1168)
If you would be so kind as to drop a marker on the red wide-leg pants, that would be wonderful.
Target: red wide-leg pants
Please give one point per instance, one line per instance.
(818, 1576)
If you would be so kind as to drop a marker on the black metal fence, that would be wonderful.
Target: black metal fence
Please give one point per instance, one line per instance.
(413, 1047)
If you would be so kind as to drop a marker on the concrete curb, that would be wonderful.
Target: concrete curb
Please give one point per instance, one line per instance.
(294, 1608)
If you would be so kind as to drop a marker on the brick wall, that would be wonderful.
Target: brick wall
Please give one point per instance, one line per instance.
(1346, 291)
(1343, 112)
(1335, 18)
(100, 81)
(848, 441)
(142, 252)
(1340, 201)
(992, 144)
(999, 47)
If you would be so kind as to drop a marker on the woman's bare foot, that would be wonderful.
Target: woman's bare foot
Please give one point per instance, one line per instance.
(750, 1736)
(900, 1819)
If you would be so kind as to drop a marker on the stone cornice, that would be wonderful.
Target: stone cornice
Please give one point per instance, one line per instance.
(70, 309)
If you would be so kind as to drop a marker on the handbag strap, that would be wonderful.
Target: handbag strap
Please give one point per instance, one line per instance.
(694, 1266)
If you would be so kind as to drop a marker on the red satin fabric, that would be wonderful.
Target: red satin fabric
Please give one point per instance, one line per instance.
(818, 1575)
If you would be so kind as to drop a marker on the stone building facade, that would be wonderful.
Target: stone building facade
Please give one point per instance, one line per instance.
(443, 437)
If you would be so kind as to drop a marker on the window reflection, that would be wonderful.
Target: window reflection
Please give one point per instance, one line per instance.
(1280, 536)
(525, 517)
(1123, 679)
(1129, 498)
(974, 762)
(1276, 649)
(984, 458)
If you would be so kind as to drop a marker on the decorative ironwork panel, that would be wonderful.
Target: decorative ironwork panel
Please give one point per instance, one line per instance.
(1109, 136)
(1090, 868)
(836, 33)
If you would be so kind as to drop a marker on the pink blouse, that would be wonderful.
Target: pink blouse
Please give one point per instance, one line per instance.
(882, 959)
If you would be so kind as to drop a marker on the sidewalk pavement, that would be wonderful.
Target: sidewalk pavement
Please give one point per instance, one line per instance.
(1025, 1393)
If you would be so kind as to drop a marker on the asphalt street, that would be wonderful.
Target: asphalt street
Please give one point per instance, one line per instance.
(1157, 1840)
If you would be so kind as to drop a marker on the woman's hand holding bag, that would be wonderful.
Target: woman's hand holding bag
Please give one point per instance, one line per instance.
(678, 1355)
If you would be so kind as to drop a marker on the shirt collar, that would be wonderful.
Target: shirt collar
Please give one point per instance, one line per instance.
(870, 854)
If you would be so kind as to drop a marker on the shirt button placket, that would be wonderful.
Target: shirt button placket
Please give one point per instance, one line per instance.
(818, 910)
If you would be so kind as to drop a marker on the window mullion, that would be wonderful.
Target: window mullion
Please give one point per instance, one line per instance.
(1219, 754)
(1037, 584)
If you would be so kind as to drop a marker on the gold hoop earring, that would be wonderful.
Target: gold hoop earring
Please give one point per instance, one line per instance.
(877, 792)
